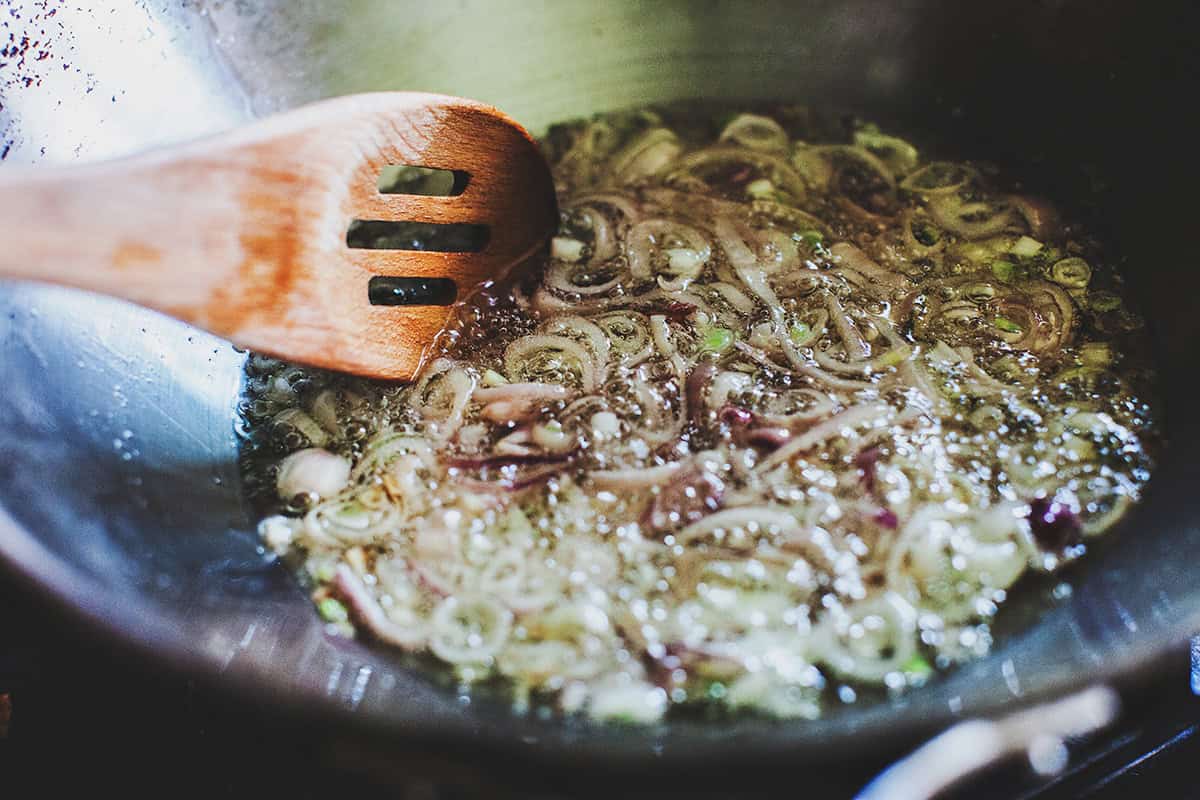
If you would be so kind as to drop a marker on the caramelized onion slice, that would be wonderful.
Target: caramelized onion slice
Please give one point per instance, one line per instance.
(870, 639)
(541, 358)
(666, 247)
(628, 334)
(757, 133)
(646, 156)
(860, 178)
(939, 177)
(441, 396)
(732, 171)
(585, 332)
(1033, 315)
(898, 155)
(368, 613)
(971, 217)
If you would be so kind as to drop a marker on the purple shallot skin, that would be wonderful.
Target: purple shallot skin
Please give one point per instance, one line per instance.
(1054, 526)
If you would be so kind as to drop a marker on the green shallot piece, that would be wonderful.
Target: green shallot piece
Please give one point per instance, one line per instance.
(332, 610)
(1003, 270)
(917, 665)
(716, 340)
(1026, 247)
(1007, 325)
(1071, 273)
(812, 238)
(800, 333)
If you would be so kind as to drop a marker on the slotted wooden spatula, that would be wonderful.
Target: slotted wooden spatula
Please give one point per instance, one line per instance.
(245, 234)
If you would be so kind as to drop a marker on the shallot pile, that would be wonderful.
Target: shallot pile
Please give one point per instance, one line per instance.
(777, 419)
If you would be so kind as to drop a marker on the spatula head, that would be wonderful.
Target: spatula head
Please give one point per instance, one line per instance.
(305, 294)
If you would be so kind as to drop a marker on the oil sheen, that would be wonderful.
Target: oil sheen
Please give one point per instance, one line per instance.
(787, 412)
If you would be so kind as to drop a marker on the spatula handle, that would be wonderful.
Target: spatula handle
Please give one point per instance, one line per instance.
(160, 230)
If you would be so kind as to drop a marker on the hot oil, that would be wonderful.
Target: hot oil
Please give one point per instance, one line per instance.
(783, 420)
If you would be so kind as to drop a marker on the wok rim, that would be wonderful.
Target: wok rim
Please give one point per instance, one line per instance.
(145, 634)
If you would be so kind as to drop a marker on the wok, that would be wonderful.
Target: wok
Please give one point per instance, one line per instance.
(119, 486)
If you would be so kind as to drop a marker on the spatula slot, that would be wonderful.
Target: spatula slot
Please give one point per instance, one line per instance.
(397, 291)
(458, 237)
(426, 181)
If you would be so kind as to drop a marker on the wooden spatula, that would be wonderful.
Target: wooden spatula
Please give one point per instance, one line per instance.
(245, 234)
